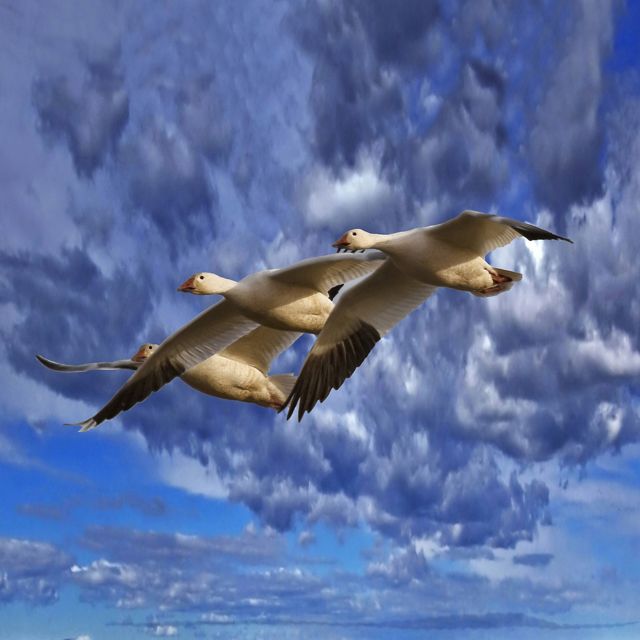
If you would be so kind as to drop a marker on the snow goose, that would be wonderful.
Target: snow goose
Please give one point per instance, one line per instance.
(239, 372)
(290, 299)
(450, 254)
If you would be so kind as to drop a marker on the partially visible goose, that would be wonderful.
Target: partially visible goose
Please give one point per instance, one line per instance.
(239, 372)
(450, 254)
(294, 299)
(114, 365)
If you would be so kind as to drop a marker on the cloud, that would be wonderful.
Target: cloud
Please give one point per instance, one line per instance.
(82, 328)
(349, 199)
(166, 180)
(355, 91)
(164, 630)
(366, 128)
(89, 118)
(31, 571)
(533, 559)
(153, 507)
(567, 138)
(306, 538)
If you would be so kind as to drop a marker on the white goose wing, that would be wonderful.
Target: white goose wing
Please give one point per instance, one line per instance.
(212, 330)
(484, 232)
(325, 272)
(361, 317)
(259, 347)
(88, 366)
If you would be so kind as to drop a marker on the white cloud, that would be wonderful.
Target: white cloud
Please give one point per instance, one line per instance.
(186, 473)
(163, 630)
(351, 198)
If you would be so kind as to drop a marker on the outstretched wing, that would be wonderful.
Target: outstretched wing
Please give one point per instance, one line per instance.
(260, 347)
(361, 317)
(325, 272)
(484, 232)
(88, 366)
(211, 331)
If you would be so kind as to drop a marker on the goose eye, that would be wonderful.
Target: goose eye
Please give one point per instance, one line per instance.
(353, 233)
(201, 277)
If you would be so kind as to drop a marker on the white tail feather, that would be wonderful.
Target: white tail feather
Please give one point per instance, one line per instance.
(513, 276)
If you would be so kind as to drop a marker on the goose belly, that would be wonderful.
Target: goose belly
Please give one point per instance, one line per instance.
(443, 265)
(283, 306)
(225, 378)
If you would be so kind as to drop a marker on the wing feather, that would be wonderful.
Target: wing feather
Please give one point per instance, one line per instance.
(361, 317)
(484, 232)
(89, 366)
(325, 272)
(209, 332)
(259, 347)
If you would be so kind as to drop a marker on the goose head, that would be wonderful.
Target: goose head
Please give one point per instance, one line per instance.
(144, 352)
(354, 240)
(206, 284)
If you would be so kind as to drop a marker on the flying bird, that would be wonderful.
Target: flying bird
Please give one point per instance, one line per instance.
(293, 298)
(420, 260)
(239, 372)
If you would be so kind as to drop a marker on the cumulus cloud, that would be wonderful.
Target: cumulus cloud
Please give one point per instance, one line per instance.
(348, 199)
(31, 571)
(217, 583)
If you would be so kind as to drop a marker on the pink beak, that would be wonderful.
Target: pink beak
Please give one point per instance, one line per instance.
(188, 285)
(140, 356)
(342, 242)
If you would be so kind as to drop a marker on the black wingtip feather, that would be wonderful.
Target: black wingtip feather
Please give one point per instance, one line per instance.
(531, 232)
(333, 292)
(321, 373)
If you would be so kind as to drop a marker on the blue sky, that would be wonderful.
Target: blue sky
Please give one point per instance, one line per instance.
(478, 477)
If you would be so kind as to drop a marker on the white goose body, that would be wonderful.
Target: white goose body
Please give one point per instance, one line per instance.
(294, 299)
(281, 305)
(236, 373)
(431, 260)
(232, 380)
(450, 255)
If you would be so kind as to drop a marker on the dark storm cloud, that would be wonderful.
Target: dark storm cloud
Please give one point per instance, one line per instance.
(30, 571)
(166, 180)
(419, 486)
(72, 312)
(202, 116)
(438, 134)
(350, 95)
(89, 116)
(566, 144)
(462, 153)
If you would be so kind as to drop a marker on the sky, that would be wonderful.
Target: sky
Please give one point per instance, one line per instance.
(478, 477)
